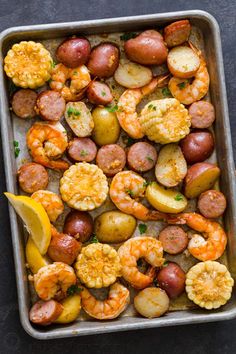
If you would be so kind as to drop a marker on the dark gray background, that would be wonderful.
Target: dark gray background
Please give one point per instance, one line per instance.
(195, 339)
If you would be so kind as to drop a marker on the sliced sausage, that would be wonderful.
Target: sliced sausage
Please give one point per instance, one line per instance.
(202, 114)
(82, 149)
(177, 33)
(23, 103)
(63, 248)
(174, 239)
(50, 105)
(99, 93)
(212, 204)
(45, 312)
(142, 157)
(32, 177)
(111, 159)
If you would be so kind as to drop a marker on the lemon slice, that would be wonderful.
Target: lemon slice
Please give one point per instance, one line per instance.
(35, 218)
(33, 257)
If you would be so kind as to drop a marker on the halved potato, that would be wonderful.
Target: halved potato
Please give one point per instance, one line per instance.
(132, 75)
(200, 177)
(71, 310)
(34, 259)
(165, 200)
(79, 118)
(171, 167)
(183, 62)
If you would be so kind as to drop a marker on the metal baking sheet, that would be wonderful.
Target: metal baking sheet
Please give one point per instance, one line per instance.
(210, 30)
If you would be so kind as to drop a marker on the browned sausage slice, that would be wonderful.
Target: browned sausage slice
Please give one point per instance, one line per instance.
(50, 105)
(23, 102)
(99, 93)
(142, 157)
(177, 33)
(111, 159)
(32, 177)
(45, 312)
(202, 114)
(212, 204)
(174, 239)
(82, 149)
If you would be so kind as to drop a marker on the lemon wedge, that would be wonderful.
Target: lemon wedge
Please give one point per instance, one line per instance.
(33, 257)
(35, 218)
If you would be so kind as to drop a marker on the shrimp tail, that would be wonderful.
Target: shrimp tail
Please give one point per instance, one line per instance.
(57, 165)
(178, 219)
(156, 215)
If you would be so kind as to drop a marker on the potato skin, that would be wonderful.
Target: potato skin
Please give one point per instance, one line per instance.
(79, 224)
(148, 48)
(172, 279)
(106, 126)
(73, 52)
(104, 60)
(71, 309)
(114, 227)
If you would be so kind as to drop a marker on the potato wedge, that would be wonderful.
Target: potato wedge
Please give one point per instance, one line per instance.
(132, 75)
(171, 167)
(200, 177)
(34, 259)
(72, 307)
(114, 227)
(183, 62)
(79, 118)
(165, 200)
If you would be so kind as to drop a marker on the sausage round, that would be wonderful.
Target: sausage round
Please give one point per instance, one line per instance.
(111, 159)
(142, 157)
(202, 114)
(23, 103)
(82, 149)
(50, 105)
(212, 204)
(63, 248)
(45, 312)
(174, 239)
(99, 93)
(177, 33)
(32, 177)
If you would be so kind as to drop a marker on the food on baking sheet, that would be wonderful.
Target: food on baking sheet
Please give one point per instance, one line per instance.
(122, 133)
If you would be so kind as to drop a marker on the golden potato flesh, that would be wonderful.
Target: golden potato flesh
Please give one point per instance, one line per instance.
(71, 309)
(151, 302)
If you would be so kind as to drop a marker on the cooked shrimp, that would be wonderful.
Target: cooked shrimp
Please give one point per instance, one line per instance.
(117, 301)
(53, 280)
(127, 115)
(145, 247)
(80, 78)
(47, 142)
(209, 247)
(51, 202)
(125, 188)
(188, 92)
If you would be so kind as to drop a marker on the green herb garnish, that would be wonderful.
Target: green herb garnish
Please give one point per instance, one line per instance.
(127, 140)
(181, 85)
(103, 93)
(178, 197)
(150, 106)
(112, 108)
(127, 36)
(53, 64)
(166, 92)
(73, 289)
(75, 72)
(142, 228)
(73, 111)
(83, 153)
(94, 239)
(145, 183)
(149, 159)
(16, 148)
(130, 192)
(165, 264)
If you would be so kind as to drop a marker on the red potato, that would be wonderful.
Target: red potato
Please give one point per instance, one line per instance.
(111, 159)
(177, 33)
(200, 177)
(142, 157)
(174, 239)
(50, 105)
(79, 224)
(45, 312)
(104, 60)
(172, 279)
(73, 52)
(82, 149)
(183, 62)
(99, 93)
(148, 48)
(212, 204)
(197, 146)
(202, 114)
(23, 103)
(32, 177)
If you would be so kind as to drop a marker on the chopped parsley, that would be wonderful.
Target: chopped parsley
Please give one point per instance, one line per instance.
(131, 193)
(178, 197)
(127, 36)
(103, 93)
(145, 183)
(149, 159)
(16, 148)
(83, 153)
(73, 289)
(142, 228)
(112, 108)
(75, 72)
(94, 239)
(166, 92)
(53, 64)
(165, 264)
(127, 140)
(181, 85)
(73, 111)
(150, 106)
